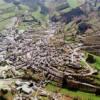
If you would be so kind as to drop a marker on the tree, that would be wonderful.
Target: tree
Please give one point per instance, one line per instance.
(90, 59)
(16, 3)
(2, 98)
(4, 91)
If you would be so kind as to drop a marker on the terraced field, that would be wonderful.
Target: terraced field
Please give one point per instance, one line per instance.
(4, 17)
(7, 12)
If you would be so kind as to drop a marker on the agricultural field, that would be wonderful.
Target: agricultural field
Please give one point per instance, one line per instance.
(4, 17)
(39, 16)
(7, 12)
(74, 3)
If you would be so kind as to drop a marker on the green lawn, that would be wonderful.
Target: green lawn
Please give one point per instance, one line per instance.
(81, 95)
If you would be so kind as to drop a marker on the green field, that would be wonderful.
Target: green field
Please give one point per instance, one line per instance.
(36, 14)
(3, 24)
(73, 3)
(97, 63)
(79, 94)
(5, 17)
(96, 66)
(39, 16)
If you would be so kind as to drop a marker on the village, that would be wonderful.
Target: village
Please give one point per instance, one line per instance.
(27, 66)
(42, 55)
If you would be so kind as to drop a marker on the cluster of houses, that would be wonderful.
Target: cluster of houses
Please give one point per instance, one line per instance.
(58, 62)
(26, 87)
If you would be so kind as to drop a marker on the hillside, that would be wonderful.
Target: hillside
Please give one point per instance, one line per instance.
(49, 49)
(40, 9)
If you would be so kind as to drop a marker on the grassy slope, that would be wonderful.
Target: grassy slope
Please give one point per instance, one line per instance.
(36, 14)
(81, 95)
(73, 3)
(96, 65)
(3, 23)
(5, 18)
(43, 18)
(39, 16)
